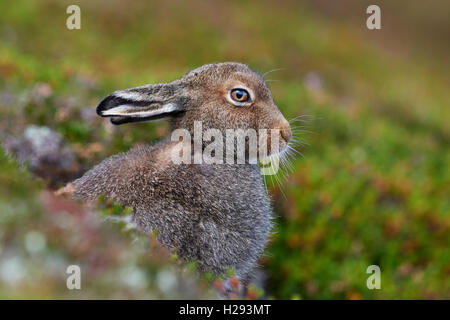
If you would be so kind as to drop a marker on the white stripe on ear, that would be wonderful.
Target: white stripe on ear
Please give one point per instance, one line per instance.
(130, 95)
(139, 112)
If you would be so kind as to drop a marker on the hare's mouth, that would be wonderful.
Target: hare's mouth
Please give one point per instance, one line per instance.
(279, 147)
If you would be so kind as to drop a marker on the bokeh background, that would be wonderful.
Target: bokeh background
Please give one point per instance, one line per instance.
(372, 186)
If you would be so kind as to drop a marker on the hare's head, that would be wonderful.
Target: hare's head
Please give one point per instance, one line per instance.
(222, 96)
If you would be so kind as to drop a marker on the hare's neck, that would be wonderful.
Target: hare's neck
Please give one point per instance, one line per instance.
(171, 152)
(216, 149)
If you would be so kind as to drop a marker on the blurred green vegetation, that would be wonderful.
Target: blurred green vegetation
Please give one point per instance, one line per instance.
(374, 183)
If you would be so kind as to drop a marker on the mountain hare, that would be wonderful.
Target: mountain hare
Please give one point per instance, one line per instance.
(217, 214)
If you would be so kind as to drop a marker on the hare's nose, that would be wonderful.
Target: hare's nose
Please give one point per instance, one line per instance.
(286, 132)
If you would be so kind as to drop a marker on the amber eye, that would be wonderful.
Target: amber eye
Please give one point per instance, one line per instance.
(240, 95)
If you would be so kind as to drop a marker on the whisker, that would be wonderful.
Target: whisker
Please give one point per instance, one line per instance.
(291, 151)
(301, 131)
(270, 71)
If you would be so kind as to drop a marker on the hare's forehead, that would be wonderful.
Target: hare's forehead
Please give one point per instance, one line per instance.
(252, 81)
(223, 81)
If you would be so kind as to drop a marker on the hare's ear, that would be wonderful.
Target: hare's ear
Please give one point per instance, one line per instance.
(145, 103)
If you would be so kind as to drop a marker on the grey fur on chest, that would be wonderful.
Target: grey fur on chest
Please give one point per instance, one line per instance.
(218, 215)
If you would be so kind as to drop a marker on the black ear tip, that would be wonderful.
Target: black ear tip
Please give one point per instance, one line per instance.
(104, 105)
(117, 120)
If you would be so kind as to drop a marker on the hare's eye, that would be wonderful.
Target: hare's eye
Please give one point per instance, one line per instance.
(240, 95)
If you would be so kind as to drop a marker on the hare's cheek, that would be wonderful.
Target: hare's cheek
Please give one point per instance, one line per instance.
(272, 142)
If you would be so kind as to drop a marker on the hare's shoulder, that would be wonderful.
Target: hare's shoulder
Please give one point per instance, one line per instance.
(117, 175)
